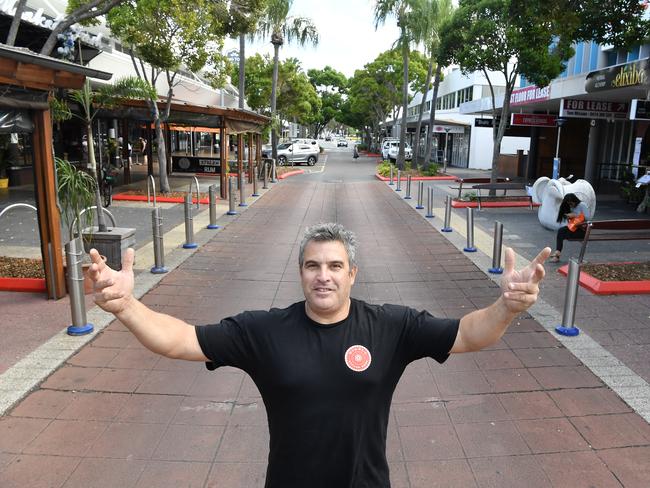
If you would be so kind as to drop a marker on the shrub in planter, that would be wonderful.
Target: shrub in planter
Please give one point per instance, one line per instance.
(76, 191)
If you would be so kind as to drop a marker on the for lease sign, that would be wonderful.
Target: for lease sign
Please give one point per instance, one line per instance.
(593, 109)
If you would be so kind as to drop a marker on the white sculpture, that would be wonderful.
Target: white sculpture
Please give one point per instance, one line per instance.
(549, 194)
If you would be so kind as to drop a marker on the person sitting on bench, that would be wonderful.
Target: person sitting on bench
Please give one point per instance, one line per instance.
(572, 212)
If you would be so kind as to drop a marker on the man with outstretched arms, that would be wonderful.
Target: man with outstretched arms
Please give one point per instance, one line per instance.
(326, 367)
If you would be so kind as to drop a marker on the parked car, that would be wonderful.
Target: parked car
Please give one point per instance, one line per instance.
(295, 153)
(393, 151)
(328, 138)
(342, 143)
(385, 146)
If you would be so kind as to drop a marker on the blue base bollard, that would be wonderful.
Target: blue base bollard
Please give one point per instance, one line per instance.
(231, 213)
(215, 226)
(429, 216)
(567, 331)
(495, 270)
(159, 270)
(419, 207)
(79, 331)
(407, 198)
(469, 249)
(191, 245)
(255, 195)
(243, 205)
(446, 229)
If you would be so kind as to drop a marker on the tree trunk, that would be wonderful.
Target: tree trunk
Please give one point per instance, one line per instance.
(423, 103)
(92, 166)
(15, 23)
(432, 115)
(162, 157)
(499, 133)
(405, 101)
(242, 68)
(274, 87)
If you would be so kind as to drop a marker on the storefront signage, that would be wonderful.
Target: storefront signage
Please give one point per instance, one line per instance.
(593, 109)
(449, 129)
(640, 110)
(39, 19)
(530, 94)
(534, 120)
(636, 73)
(193, 164)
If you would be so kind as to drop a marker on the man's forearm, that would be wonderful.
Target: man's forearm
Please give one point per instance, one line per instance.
(158, 332)
(483, 327)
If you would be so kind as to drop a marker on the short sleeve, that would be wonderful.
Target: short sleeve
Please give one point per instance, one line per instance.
(428, 336)
(228, 343)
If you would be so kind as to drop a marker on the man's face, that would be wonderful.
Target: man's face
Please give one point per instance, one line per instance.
(327, 279)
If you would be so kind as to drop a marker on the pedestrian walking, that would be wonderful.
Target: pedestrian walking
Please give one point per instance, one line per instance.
(327, 366)
(355, 152)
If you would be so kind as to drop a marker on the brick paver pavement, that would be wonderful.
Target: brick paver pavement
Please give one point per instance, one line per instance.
(522, 413)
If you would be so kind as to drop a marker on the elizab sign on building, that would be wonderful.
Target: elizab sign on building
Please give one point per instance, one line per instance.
(634, 74)
(593, 109)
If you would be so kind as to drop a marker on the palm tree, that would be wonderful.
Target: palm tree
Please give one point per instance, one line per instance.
(409, 14)
(444, 11)
(277, 24)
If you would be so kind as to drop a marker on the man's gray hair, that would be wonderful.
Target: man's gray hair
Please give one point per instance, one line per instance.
(330, 231)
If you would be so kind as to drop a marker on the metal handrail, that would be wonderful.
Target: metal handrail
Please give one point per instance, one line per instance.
(198, 195)
(153, 186)
(94, 207)
(9, 207)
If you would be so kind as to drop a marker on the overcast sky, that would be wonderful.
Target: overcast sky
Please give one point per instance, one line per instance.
(348, 39)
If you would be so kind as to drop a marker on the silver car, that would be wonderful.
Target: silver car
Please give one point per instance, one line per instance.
(295, 153)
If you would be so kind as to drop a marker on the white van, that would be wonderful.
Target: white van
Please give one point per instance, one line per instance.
(392, 150)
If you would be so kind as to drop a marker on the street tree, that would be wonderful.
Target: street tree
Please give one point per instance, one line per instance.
(437, 12)
(280, 27)
(77, 12)
(331, 85)
(534, 39)
(410, 15)
(90, 102)
(165, 36)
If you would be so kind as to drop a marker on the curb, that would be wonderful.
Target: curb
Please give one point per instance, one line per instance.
(598, 287)
(291, 173)
(30, 285)
(421, 178)
(143, 198)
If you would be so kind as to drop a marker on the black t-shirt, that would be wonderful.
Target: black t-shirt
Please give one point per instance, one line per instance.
(327, 388)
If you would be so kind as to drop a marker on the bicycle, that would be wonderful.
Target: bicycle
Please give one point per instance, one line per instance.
(109, 176)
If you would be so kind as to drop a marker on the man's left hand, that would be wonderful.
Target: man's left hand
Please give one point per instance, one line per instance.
(521, 287)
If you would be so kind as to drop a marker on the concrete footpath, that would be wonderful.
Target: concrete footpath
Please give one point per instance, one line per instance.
(527, 412)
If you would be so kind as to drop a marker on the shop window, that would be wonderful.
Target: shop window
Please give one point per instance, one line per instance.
(611, 58)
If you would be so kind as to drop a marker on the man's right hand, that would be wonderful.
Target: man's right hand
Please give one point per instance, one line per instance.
(113, 289)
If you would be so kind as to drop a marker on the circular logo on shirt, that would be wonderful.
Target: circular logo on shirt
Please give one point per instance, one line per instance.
(358, 358)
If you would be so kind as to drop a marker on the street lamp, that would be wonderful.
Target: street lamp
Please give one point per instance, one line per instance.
(556, 160)
(444, 157)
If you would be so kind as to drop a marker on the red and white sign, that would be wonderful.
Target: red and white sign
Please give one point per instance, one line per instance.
(530, 94)
(535, 120)
(358, 358)
(449, 129)
(593, 109)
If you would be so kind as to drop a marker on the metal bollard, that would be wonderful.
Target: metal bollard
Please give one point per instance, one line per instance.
(408, 187)
(242, 189)
(419, 206)
(391, 176)
(274, 174)
(231, 197)
(568, 328)
(73, 256)
(399, 181)
(446, 227)
(429, 214)
(266, 177)
(470, 231)
(158, 247)
(496, 249)
(255, 194)
(189, 224)
(212, 194)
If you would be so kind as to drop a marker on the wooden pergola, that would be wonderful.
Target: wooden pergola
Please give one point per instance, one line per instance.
(227, 121)
(26, 80)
